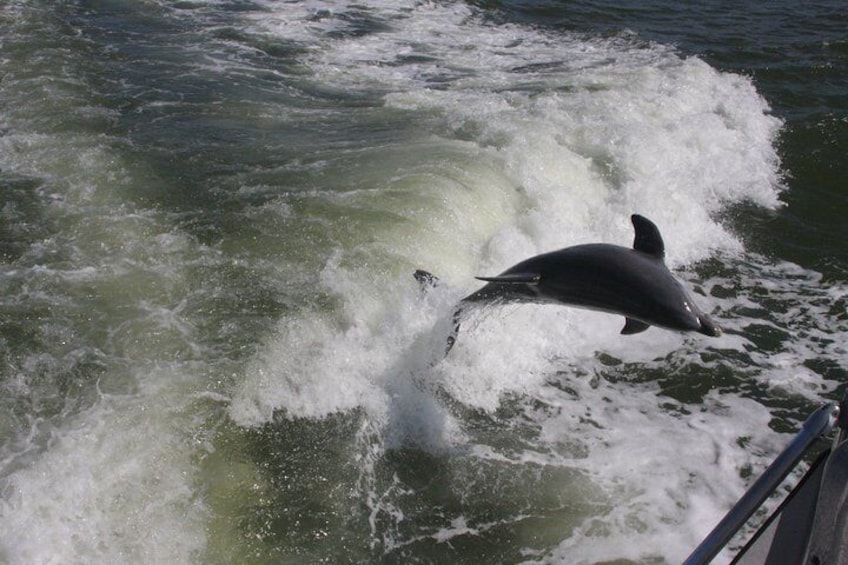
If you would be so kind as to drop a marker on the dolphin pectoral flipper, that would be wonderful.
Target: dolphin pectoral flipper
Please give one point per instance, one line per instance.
(632, 326)
(513, 278)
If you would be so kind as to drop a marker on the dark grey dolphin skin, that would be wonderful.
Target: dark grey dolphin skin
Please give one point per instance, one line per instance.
(632, 282)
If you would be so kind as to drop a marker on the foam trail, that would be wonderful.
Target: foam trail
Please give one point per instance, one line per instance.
(582, 133)
(580, 158)
(591, 131)
(88, 499)
(103, 357)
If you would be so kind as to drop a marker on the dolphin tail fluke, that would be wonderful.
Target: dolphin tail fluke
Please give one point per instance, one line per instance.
(426, 280)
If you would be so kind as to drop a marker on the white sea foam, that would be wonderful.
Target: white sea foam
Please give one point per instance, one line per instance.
(98, 456)
(606, 129)
(115, 485)
(586, 131)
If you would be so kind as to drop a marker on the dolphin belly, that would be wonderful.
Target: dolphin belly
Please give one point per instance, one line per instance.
(668, 309)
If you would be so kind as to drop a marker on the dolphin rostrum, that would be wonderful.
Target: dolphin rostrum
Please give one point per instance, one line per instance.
(632, 282)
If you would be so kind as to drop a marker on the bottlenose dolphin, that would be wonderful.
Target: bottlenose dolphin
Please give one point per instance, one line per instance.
(632, 282)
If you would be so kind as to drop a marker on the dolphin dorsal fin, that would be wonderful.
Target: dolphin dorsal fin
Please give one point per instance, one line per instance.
(513, 278)
(648, 239)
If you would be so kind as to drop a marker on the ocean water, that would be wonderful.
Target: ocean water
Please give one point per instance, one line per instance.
(213, 350)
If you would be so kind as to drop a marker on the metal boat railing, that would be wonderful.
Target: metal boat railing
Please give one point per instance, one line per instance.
(820, 423)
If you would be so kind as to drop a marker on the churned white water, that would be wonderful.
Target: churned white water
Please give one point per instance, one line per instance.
(581, 132)
(515, 141)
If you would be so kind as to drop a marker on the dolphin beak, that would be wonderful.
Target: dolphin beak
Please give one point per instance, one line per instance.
(708, 327)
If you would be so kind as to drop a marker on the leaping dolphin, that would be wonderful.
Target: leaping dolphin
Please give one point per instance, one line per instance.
(632, 282)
